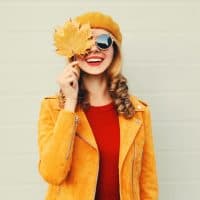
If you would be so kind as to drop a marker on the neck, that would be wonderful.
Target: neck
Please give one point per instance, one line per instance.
(96, 85)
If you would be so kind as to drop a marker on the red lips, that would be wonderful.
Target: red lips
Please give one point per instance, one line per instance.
(94, 60)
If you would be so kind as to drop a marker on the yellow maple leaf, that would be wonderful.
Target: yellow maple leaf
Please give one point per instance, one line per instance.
(73, 38)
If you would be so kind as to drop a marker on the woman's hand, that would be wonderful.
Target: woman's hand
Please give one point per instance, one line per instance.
(68, 80)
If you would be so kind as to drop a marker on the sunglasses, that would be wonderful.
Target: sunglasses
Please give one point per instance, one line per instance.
(103, 41)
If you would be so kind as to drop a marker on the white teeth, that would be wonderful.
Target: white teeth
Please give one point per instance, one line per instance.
(94, 60)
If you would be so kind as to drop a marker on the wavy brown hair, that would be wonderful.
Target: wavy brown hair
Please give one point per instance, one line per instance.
(116, 84)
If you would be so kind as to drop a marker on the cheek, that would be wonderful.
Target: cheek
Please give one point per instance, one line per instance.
(110, 55)
(82, 63)
(79, 58)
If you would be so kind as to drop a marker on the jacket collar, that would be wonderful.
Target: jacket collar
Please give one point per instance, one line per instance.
(128, 128)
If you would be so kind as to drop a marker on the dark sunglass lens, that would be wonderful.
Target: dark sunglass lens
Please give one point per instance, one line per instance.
(104, 41)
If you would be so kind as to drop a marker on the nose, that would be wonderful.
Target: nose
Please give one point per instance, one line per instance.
(94, 48)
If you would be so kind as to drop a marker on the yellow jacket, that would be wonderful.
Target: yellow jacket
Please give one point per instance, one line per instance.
(69, 158)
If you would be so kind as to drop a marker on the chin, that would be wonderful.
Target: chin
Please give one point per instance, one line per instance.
(93, 72)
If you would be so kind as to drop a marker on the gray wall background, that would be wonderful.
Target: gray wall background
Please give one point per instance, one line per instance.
(161, 49)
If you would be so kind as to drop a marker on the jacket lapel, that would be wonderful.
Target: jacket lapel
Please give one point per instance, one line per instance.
(84, 129)
(128, 130)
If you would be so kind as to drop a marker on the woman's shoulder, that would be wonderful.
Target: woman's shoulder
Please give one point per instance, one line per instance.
(51, 101)
(139, 103)
(51, 96)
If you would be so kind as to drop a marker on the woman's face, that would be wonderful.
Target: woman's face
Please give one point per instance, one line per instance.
(97, 61)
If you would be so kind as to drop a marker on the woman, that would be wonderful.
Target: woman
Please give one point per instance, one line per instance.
(95, 139)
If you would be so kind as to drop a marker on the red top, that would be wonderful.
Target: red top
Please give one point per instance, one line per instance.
(105, 126)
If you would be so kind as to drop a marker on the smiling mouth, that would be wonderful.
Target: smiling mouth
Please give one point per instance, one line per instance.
(94, 61)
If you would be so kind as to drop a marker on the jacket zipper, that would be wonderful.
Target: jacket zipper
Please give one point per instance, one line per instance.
(133, 167)
(58, 192)
(75, 126)
(76, 119)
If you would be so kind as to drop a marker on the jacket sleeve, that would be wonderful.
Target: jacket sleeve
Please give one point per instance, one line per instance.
(55, 142)
(148, 177)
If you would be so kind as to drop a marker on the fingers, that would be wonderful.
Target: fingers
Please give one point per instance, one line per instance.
(76, 71)
(73, 66)
(71, 73)
(72, 81)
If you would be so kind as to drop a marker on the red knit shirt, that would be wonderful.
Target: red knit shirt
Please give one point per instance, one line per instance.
(105, 126)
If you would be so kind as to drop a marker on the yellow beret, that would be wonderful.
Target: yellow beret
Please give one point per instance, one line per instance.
(100, 20)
